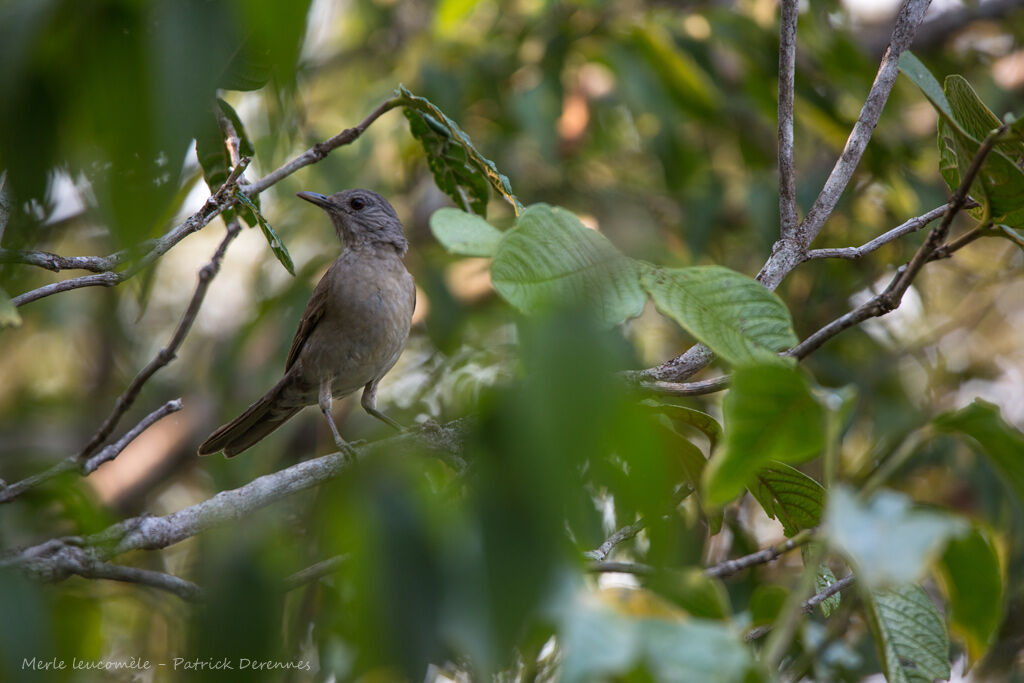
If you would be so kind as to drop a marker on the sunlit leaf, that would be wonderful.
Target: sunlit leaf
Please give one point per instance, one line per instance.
(974, 583)
(1001, 443)
(9, 316)
(699, 420)
(888, 541)
(459, 169)
(464, 233)
(790, 496)
(276, 245)
(735, 316)
(770, 414)
(550, 259)
(965, 121)
(909, 635)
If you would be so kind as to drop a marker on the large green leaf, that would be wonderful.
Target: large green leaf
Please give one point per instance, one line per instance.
(459, 169)
(735, 316)
(909, 635)
(464, 233)
(888, 541)
(681, 415)
(600, 643)
(770, 414)
(1001, 443)
(550, 259)
(964, 121)
(789, 495)
(974, 584)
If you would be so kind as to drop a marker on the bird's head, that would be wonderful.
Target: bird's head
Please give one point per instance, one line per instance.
(361, 217)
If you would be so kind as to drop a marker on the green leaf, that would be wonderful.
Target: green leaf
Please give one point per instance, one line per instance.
(697, 419)
(1001, 443)
(964, 121)
(735, 316)
(766, 603)
(600, 643)
(790, 496)
(550, 259)
(249, 68)
(459, 169)
(909, 635)
(276, 245)
(974, 584)
(464, 233)
(694, 591)
(214, 159)
(9, 316)
(822, 580)
(888, 541)
(770, 414)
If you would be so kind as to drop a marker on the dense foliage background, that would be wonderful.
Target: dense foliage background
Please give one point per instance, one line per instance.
(654, 123)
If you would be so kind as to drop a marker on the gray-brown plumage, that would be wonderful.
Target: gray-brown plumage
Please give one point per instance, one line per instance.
(352, 331)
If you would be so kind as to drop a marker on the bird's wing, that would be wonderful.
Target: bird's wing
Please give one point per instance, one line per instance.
(310, 319)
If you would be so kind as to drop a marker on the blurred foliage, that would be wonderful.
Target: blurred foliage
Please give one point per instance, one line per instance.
(654, 124)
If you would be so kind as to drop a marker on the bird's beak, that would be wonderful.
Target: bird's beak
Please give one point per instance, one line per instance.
(315, 198)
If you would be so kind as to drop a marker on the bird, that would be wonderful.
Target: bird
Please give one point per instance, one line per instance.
(352, 331)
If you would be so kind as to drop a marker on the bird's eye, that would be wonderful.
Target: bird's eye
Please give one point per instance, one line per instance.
(357, 203)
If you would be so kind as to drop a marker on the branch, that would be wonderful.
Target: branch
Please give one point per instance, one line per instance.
(56, 263)
(314, 572)
(789, 251)
(891, 297)
(322, 149)
(169, 352)
(769, 554)
(9, 493)
(853, 253)
(707, 386)
(787, 69)
(217, 202)
(909, 18)
(807, 606)
(630, 530)
(151, 533)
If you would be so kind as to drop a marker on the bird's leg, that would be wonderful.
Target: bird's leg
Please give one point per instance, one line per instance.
(369, 403)
(325, 408)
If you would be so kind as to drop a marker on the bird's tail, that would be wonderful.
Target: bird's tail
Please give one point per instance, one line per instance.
(258, 420)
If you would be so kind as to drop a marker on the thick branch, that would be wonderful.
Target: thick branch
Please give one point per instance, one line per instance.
(707, 386)
(54, 262)
(787, 69)
(151, 533)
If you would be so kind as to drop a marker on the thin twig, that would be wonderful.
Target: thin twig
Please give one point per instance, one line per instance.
(186, 590)
(787, 70)
(630, 530)
(113, 450)
(788, 252)
(808, 606)
(891, 297)
(217, 202)
(764, 556)
(169, 352)
(909, 18)
(606, 567)
(321, 149)
(12, 491)
(853, 253)
(314, 572)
